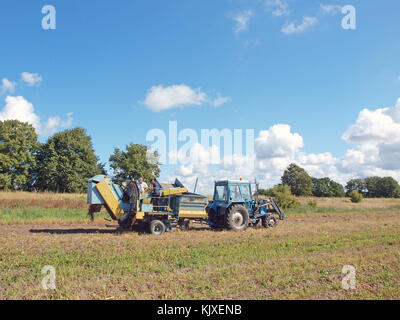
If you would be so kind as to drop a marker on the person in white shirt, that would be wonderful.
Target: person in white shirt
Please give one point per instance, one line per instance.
(142, 186)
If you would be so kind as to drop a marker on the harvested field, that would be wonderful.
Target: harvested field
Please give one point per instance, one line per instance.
(300, 259)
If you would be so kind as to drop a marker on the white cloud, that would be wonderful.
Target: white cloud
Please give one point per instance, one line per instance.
(242, 20)
(31, 79)
(220, 100)
(162, 98)
(279, 8)
(377, 126)
(18, 108)
(375, 152)
(54, 124)
(331, 9)
(7, 86)
(306, 24)
(278, 141)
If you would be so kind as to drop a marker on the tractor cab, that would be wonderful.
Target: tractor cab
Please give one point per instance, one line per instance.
(233, 207)
(233, 191)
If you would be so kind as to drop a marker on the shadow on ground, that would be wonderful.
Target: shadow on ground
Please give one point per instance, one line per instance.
(75, 231)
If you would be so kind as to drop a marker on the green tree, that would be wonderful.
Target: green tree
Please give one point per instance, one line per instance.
(355, 185)
(298, 179)
(137, 161)
(336, 189)
(388, 188)
(325, 187)
(371, 185)
(66, 161)
(18, 144)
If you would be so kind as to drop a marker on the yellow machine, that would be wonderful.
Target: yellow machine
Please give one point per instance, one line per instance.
(172, 210)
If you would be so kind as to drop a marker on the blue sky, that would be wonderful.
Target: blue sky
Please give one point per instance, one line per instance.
(104, 57)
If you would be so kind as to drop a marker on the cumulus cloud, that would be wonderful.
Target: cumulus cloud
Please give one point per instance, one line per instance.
(307, 23)
(18, 108)
(242, 20)
(7, 86)
(375, 126)
(31, 79)
(278, 7)
(375, 151)
(162, 98)
(376, 134)
(277, 141)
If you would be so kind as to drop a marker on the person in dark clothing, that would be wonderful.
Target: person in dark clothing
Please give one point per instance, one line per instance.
(155, 194)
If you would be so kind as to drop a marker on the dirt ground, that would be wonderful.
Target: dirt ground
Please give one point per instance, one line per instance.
(302, 258)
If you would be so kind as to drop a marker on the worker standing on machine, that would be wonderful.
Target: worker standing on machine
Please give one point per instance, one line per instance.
(143, 187)
(155, 192)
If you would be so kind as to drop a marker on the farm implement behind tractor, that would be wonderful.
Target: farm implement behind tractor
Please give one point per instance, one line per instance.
(232, 207)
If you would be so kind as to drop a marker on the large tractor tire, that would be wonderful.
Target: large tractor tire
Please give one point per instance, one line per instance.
(237, 218)
(157, 227)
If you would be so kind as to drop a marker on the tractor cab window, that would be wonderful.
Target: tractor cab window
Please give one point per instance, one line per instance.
(235, 193)
(245, 188)
(220, 193)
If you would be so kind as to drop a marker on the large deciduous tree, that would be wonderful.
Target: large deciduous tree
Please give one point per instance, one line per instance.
(136, 161)
(387, 187)
(18, 144)
(325, 187)
(298, 180)
(66, 161)
(355, 185)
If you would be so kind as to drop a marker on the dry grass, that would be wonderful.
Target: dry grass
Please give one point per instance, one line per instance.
(46, 200)
(300, 259)
(346, 204)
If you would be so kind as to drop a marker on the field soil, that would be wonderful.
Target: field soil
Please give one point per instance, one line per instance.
(302, 258)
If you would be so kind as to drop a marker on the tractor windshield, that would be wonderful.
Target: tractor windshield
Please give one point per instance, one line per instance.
(220, 193)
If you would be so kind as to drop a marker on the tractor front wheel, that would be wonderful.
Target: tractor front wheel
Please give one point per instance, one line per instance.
(269, 222)
(157, 227)
(237, 218)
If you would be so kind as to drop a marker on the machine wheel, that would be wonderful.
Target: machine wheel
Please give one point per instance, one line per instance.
(269, 222)
(237, 218)
(157, 227)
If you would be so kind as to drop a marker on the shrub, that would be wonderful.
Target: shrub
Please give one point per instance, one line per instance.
(355, 196)
(283, 196)
(312, 204)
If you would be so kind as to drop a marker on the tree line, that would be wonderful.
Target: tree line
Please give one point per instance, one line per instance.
(67, 160)
(302, 184)
(64, 162)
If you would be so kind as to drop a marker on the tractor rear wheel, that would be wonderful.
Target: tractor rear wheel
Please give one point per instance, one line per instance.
(237, 218)
(156, 227)
(269, 222)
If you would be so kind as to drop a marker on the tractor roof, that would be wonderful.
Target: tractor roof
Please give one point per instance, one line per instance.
(232, 181)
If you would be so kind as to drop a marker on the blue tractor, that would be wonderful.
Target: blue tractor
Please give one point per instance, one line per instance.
(234, 207)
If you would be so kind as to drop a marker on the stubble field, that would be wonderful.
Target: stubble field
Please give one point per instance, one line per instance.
(302, 258)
